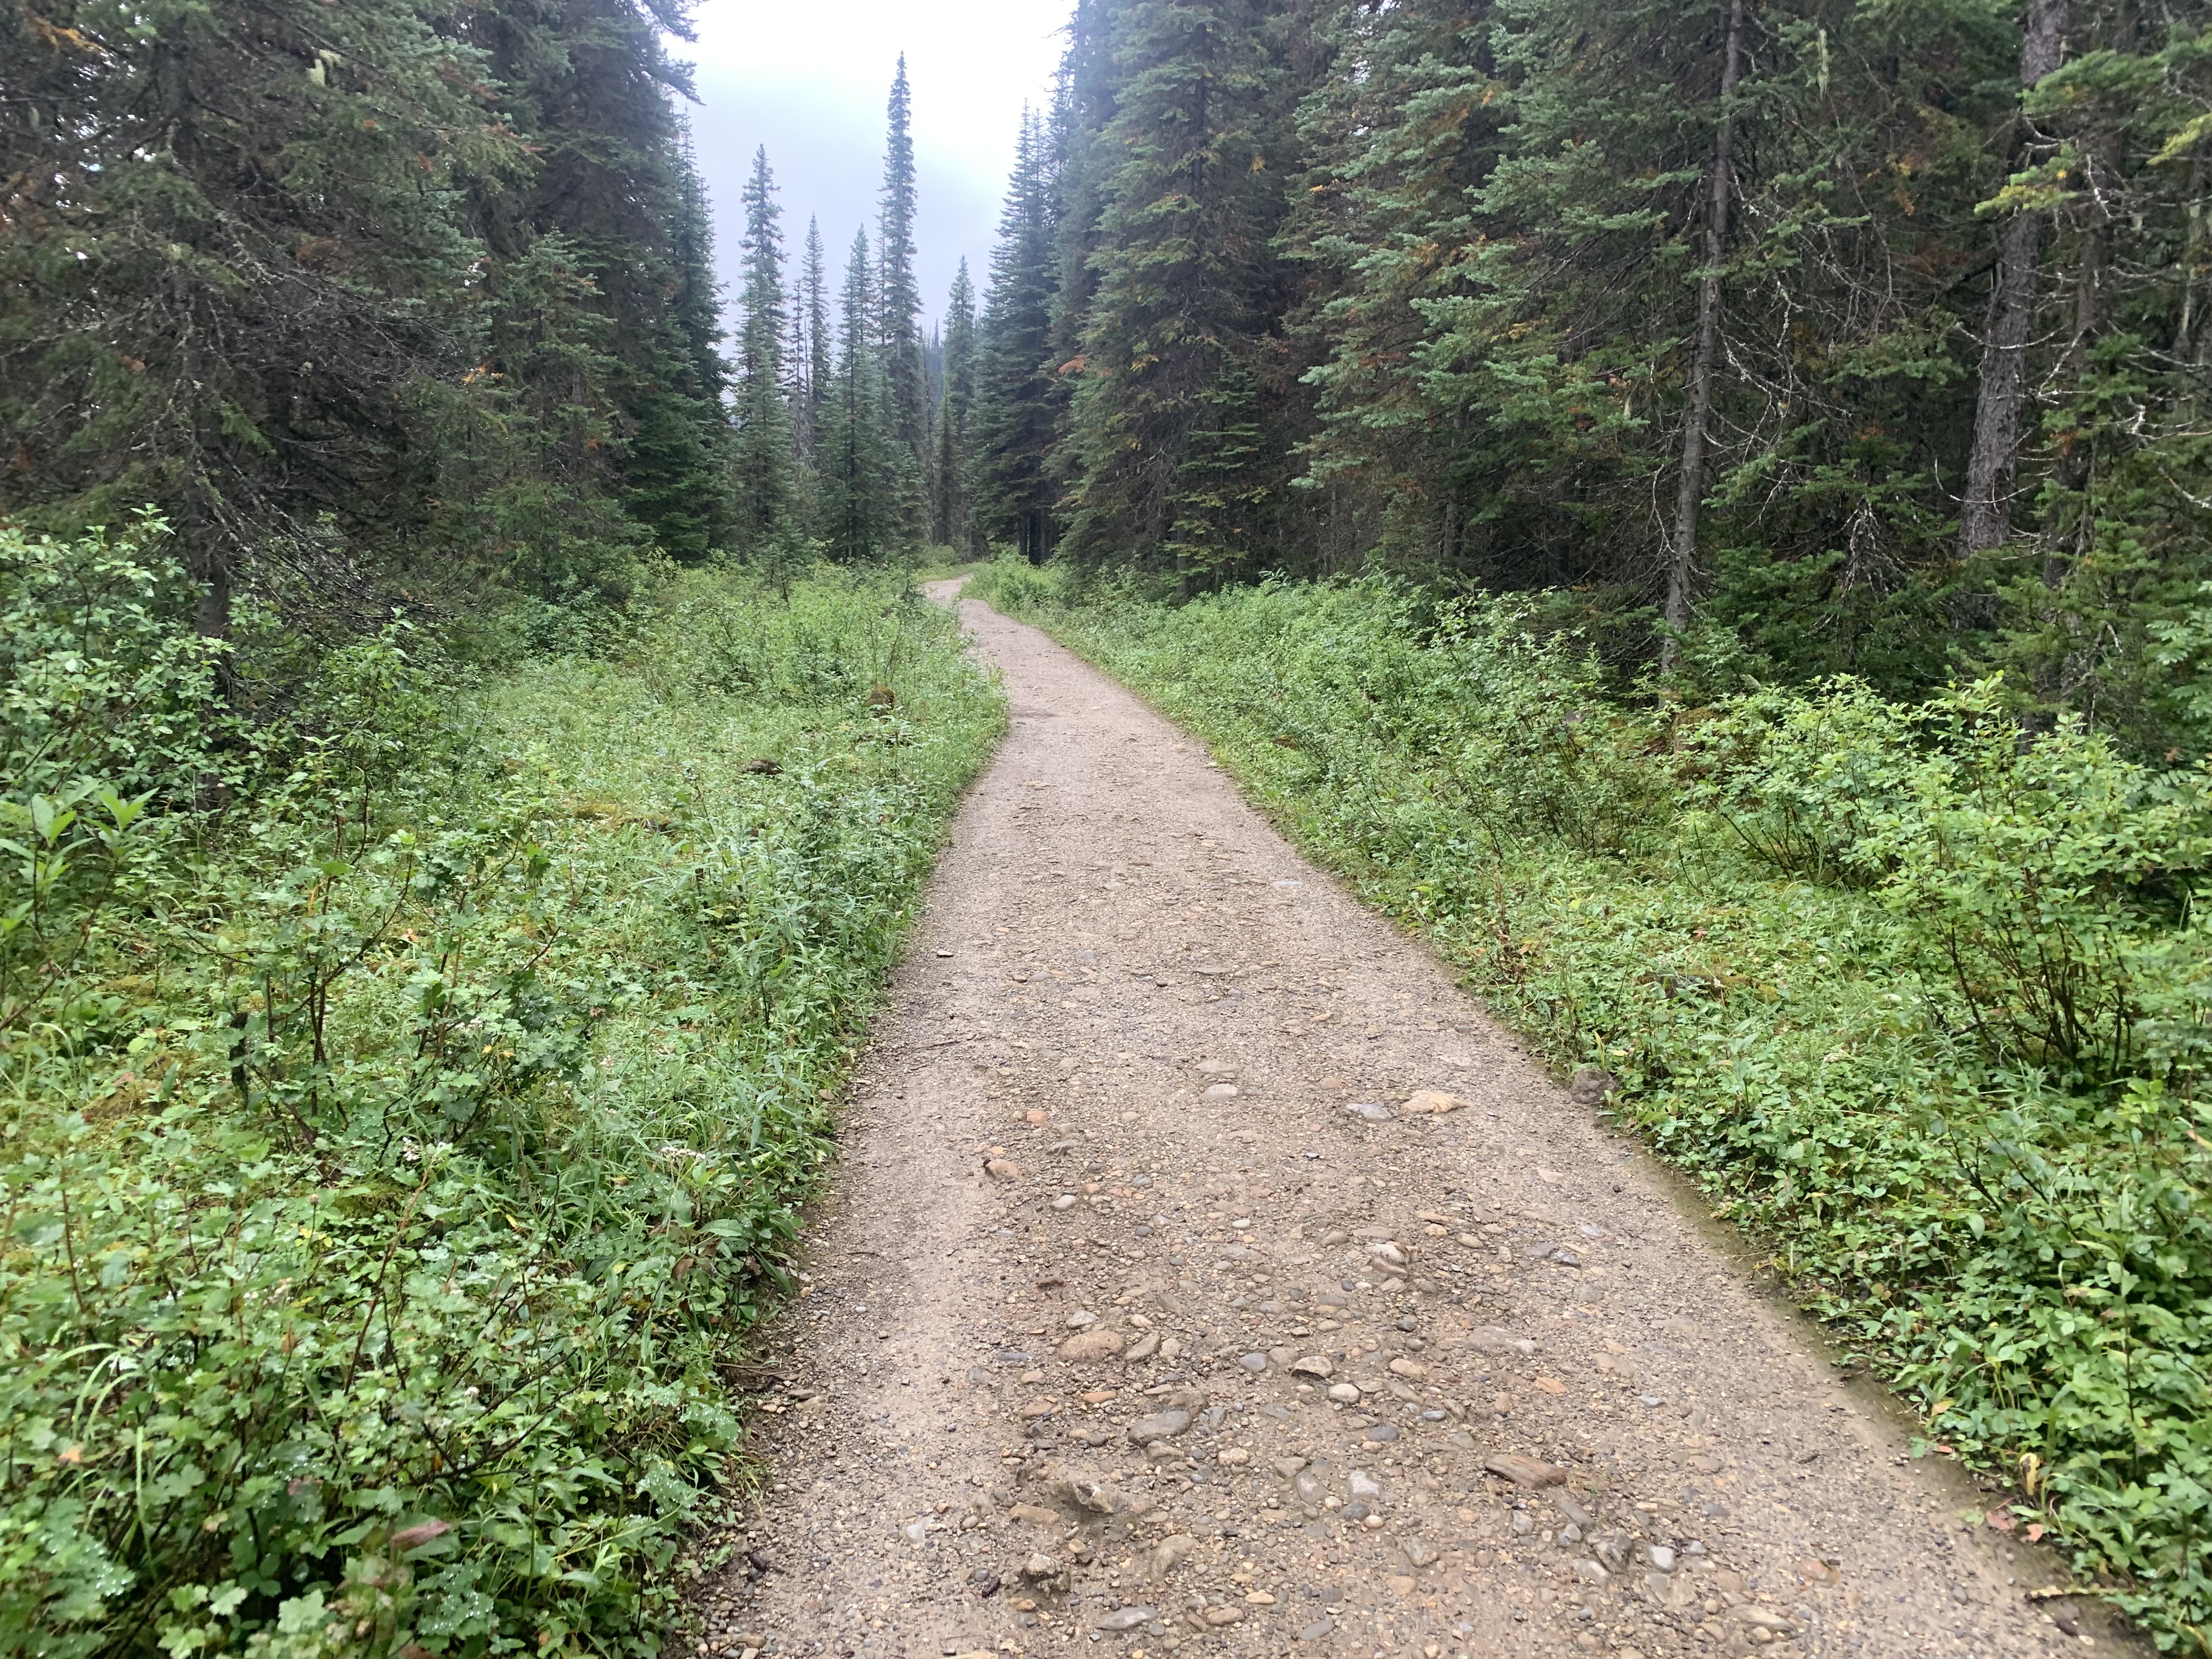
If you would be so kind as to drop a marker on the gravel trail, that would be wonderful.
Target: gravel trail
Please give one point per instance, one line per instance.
(1207, 1272)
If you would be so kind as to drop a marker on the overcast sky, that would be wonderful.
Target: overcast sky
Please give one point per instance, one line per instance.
(810, 80)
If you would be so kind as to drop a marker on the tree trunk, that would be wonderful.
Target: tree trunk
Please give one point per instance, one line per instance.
(2077, 452)
(1986, 515)
(1682, 565)
(2192, 339)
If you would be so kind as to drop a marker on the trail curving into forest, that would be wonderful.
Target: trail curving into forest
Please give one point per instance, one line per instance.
(1151, 1311)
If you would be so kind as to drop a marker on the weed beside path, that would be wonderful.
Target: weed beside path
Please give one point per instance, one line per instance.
(1920, 1005)
(404, 1134)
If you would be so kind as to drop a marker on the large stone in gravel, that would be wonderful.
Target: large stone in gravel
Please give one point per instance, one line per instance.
(1524, 1471)
(999, 1168)
(1314, 1365)
(1432, 1101)
(1170, 1554)
(1160, 1425)
(1088, 1347)
(1491, 1341)
(1368, 1112)
(1124, 1619)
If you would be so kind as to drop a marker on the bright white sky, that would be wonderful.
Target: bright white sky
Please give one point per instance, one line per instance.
(810, 81)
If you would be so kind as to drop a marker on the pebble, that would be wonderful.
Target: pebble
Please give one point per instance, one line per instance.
(999, 1168)
(1160, 1425)
(1367, 1111)
(1346, 1394)
(1524, 1471)
(1170, 1554)
(1662, 1559)
(1253, 1362)
(1124, 1619)
(1087, 1347)
(1314, 1365)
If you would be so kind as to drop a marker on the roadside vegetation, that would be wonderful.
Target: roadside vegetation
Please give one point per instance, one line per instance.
(411, 1071)
(1922, 997)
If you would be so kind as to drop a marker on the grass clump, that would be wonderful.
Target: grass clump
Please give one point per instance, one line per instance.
(1922, 999)
(407, 1099)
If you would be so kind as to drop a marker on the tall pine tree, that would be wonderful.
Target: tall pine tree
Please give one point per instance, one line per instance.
(762, 467)
(955, 517)
(1184, 308)
(898, 326)
(1015, 405)
(855, 492)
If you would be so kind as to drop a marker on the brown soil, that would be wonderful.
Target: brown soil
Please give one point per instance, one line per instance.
(1107, 1113)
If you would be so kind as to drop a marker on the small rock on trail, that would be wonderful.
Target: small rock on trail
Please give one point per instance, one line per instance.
(1205, 1273)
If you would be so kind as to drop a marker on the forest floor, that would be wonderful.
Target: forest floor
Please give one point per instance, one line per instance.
(1156, 1307)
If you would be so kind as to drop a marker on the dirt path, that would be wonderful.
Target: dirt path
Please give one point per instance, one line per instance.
(1150, 1314)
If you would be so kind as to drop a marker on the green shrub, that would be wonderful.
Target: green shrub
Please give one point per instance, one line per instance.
(1922, 997)
(397, 1152)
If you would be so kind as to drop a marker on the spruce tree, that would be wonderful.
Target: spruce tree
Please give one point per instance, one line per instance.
(954, 524)
(762, 467)
(1016, 408)
(855, 492)
(898, 325)
(1396, 140)
(237, 342)
(595, 79)
(1185, 280)
(812, 364)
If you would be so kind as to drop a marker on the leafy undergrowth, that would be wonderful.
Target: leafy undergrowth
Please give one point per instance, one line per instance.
(1922, 1004)
(408, 1098)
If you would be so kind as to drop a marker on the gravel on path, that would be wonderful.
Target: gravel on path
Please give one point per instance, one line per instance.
(1205, 1272)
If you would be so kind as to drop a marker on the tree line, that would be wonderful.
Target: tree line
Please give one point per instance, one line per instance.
(852, 429)
(1765, 338)
(397, 303)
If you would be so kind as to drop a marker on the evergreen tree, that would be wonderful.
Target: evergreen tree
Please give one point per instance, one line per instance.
(1015, 406)
(812, 365)
(593, 79)
(762, 472)
(1079, 162)
(955, 521)
(898, 326)
(1185, 279)
(185, 324)
(856, 493)
(1397, 138)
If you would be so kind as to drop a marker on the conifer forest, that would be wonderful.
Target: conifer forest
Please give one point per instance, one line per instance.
(1700, 512)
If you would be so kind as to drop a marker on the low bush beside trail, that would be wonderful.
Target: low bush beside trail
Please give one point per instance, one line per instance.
(409, 1094)
(1923, 998)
